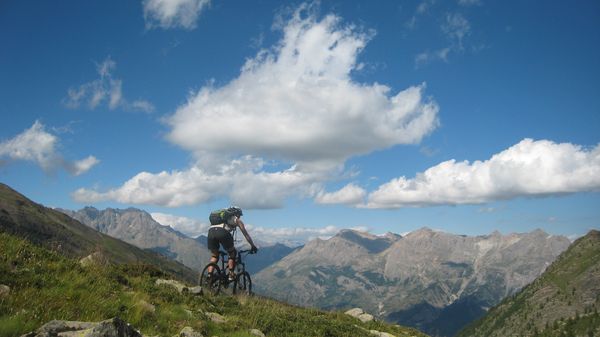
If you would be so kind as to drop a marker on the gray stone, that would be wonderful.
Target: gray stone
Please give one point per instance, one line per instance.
(360, 314)
(94, 259)
(381, 334)
(110, 328)
(178, 285)
(196, 290)
(355, 312)
(364, 317)
(189, 332)
(217, 318)
(4, 290)
(257, 333)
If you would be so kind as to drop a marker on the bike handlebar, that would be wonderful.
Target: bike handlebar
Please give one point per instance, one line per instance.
(249, 251)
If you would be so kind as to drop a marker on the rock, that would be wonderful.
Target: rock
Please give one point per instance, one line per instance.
(94, 259)
(113, 328)
(381, 334)
(213, 316)
(360, 314)
(196, 290)
(365, 317)
(53, 328)
(178, 285)
(4, 290)
(110, 328)
(257, 333)
(189, 332)
(354, 312)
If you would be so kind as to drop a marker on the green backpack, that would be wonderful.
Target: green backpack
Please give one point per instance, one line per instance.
(220, 216)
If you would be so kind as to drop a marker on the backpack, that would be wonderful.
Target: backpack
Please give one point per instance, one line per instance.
(220, 216)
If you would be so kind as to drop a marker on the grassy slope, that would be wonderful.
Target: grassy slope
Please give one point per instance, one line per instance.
(45, 286)
(564, 301)
(57, 231)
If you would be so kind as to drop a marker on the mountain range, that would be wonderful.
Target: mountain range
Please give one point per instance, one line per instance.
(437, 282)
(434, 281)
(138, 228)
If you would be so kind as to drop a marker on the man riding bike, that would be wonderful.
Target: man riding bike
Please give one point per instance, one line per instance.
(223, 223)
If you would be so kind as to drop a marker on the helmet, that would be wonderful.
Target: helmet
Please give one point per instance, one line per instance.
(236, 210)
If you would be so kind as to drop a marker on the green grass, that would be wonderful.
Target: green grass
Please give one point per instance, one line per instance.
(46, 286)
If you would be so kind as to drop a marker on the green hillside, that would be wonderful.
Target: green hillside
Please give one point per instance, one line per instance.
(59, 232)
(564, 301)
(45, 285)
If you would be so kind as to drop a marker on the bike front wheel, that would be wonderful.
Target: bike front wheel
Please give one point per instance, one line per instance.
(210, 279)
(244, 284)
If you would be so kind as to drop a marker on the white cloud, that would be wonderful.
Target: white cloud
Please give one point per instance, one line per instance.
(294, 106)
(106, 87)
(173, 13)
(38, 146)
(295, 236)
(142, 105)
(348, 195)
(422, 9)
(298, 102)
(428, 57)
(456, 27)
(241, 181)
(527, 169)
(187, 226)
(81, 166)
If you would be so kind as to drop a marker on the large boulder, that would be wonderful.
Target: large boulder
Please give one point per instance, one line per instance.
(115, 327)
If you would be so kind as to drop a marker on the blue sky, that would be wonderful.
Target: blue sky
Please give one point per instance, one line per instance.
(466, 116)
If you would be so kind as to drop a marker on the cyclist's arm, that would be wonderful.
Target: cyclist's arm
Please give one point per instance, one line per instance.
(242, 227)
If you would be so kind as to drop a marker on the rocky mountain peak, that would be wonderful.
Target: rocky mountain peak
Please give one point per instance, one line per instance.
(372, 243)
(91, 212)
(423, 279)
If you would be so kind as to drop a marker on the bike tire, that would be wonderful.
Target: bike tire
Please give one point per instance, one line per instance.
(210, 284)
(228, 287)
(244, 283)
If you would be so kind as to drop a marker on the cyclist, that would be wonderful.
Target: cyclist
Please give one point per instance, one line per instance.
(223, 223)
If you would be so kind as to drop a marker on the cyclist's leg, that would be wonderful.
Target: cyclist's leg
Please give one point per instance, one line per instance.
(213, 246)
(227, 242)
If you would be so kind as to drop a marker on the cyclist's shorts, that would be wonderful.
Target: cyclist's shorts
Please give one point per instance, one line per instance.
(218, 236)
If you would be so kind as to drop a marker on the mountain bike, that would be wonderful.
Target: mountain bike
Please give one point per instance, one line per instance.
(218, 280)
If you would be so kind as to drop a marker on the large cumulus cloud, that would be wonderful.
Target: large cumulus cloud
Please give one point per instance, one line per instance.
(295, 110)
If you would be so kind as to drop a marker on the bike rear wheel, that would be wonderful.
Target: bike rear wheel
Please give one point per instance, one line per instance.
(211, 281)
(244, 284)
